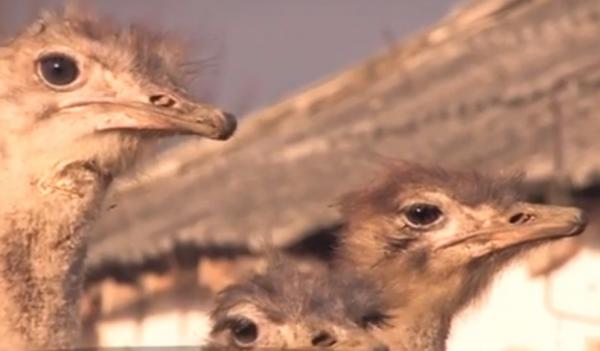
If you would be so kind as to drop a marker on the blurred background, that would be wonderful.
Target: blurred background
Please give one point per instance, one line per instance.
(322, 90)
(260, 51)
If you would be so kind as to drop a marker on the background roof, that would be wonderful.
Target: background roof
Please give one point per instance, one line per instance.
(501, 84)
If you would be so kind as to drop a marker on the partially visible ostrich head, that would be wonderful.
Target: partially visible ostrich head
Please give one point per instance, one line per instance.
(77, 92)
(289, 308)
(435, 238)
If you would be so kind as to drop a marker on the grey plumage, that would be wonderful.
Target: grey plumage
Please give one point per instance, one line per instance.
(309, 302)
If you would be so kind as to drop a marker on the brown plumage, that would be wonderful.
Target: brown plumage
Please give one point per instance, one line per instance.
(287, 307)
(79, 102)
(435, 238)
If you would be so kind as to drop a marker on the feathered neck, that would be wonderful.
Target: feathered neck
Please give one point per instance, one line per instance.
(42, 247)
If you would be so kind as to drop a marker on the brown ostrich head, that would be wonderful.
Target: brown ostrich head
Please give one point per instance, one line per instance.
(289, 308)
(434, 238)
(77, 91)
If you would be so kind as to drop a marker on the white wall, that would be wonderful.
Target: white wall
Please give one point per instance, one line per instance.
(517, 316)
(172, 328)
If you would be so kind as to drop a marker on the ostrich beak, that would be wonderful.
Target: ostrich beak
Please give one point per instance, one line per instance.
(525, 223)
(168, 117)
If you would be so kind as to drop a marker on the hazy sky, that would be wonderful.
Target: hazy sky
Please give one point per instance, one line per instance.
(261, 50)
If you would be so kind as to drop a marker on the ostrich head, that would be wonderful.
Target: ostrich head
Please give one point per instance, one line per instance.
(289, 308)
(77, 93)
(436, 237)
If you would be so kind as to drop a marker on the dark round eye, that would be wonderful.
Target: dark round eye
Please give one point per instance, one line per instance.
(244, 331)
(58, 69)
(422, 215)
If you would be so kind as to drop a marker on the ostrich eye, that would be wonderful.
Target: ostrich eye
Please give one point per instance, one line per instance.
(58, 70)
(422, 215)
(244, 331)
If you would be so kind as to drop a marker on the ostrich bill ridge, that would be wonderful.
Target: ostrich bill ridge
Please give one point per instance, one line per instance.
(74, 91)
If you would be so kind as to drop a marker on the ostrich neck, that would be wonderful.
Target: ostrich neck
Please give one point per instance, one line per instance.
(42, 247)
(414, 324)
(421, 332)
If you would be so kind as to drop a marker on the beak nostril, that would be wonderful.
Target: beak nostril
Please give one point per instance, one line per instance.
(161, 100)
(520, 218)
(514, 219)
(323, 339)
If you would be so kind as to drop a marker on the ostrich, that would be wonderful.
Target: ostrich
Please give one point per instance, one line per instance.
(435, 239)
(79, 102)
(287, 307)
